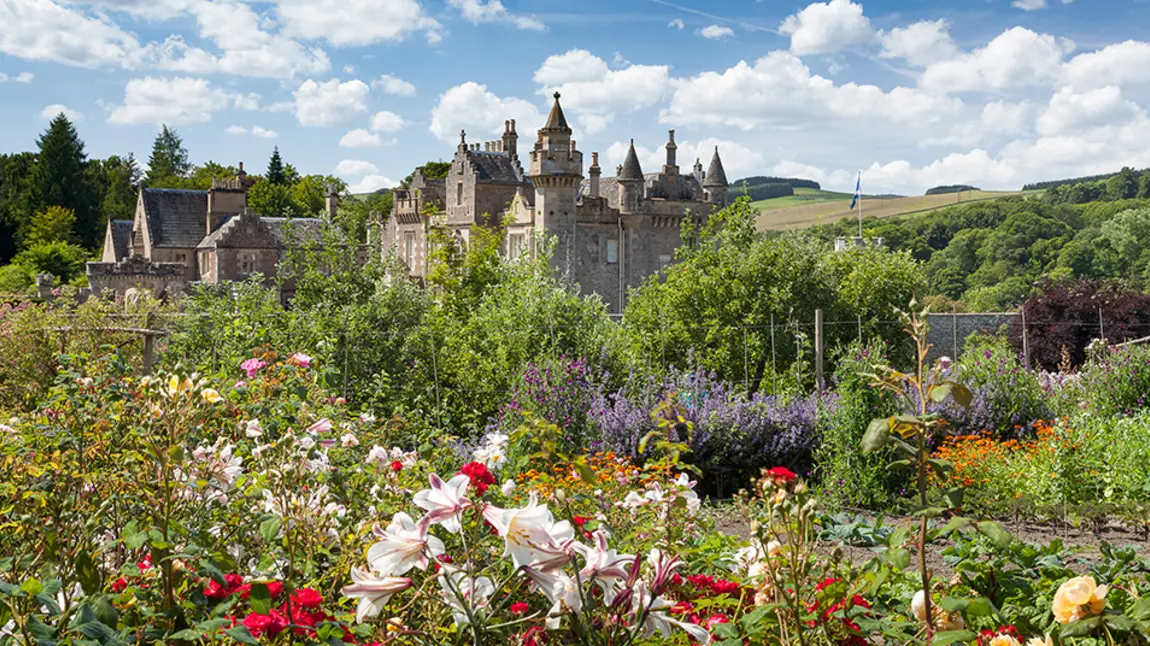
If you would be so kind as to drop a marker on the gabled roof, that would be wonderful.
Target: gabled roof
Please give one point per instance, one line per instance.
(295, 230)
(121, 238)
(715, 174)
(494, 167)
(251, 227)
(175, 217)
(631, 169)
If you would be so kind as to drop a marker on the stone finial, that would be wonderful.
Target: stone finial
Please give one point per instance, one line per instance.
(462, 137)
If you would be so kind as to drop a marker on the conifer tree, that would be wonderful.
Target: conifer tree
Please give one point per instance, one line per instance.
(169, 157)
(275, 174)
(59, 179)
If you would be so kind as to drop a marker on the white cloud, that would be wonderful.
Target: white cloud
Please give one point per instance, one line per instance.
(391, 84)
(480, 11)
(371, 184)
(386, 122)
(1071, 112)
(825, 27)
(1029, 5)
(42, 30)
(595, 92)
(330, 102)
(50, 112)
(356, 168)
(780, 90)
(236, 130)
(716, 32)
(471, 106)
(356, 22)
(170, 100)
(677, 23)
(22, 77)
(921, 43)
(1015, 58)
(359, 138)
(349, 69)
(1118, 64)
(255, 131)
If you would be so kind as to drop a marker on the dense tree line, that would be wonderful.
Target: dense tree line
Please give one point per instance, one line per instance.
(55, 202)
(794, 182)
(952, 188)
(1038, 186)
(1124, 185)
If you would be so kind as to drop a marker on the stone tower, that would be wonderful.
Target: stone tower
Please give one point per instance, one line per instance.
(671, 168)
(715, 181)
(556, 172)
(630, 181)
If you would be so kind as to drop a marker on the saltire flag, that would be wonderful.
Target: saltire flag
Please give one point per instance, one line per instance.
(858, 191)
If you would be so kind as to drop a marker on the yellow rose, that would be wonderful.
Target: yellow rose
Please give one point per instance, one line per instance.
(210, 395)
(1004, 640)
(1038, 641)
(1078, 598)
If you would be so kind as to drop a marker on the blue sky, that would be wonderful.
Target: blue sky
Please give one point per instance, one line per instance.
(914, 93)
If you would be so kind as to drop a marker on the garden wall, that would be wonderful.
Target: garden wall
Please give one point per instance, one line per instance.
(949, 331)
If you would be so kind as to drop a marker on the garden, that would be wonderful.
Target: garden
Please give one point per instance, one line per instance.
(492, 459)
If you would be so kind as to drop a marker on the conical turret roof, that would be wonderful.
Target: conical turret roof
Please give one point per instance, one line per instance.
(631, 168)
(716, 176)
(556, 120)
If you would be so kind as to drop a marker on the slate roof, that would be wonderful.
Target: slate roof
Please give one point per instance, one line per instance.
(176, 217)
(715, 174)
(494, 167)
(688, 189)
(122, 238)
(631, 168)
(302, 230)
(682, 187)
(215, 236)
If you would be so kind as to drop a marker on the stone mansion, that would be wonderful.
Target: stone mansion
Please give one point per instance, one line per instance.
(611, 232)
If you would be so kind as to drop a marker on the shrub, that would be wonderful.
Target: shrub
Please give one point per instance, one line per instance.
(1007, 397)
(1117, 380)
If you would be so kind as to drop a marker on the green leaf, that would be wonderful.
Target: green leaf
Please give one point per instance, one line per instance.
(900, 464)
(725, 631)
(270, 528)
(87, 573)
(995, 532)
(31, 587)
(105, 612)
(980, 607)
(96, 630)
(187, 634)
(1121, 623)
(261, 599)
(954, 497)
(176, 453)
(955, 523)
(586, 473)
(929, 512)
(241, 634)
(962, 395)
(939, 393)
(951, 636)
(954, 604)
(1082, 627)
(876, 436)
(1141, 610)
(898, 558)
(942, 467)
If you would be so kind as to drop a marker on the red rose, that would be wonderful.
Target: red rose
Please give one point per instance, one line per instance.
(257, 624)
(682, 607)
(677, 579)
(701, 580)
(579, 521)
(397, 466)
(717, 618)
(518, 608)
(782, 475)
(145, 564)
(275, 588)
(480, 477)
(307, 597)
(723, 586)
(234, 581)
(119, 585)
(215, 590)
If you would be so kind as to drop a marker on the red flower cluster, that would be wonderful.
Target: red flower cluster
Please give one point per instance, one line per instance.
(480, 477)
(715, 586)
(782, 475)
(842, 605)
(519, 607)
(232, 585)
(396, 466)
(985, 637)
(303, 610)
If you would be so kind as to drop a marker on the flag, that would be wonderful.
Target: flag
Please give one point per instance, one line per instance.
(858, 191)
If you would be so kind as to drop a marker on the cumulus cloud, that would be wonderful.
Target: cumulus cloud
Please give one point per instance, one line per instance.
(356, 22)
(737, 158)
(360, 138)
(715, 32)
(330, 102)
(22, 77)
(1072, 112)
(255, 131)
(1125, 63)
(365, 175)
(43, 30)
(171, 100)
(50, 112)
(394, 85)
(371, 184)
(1016, 58)
(471, 106)
(677, 23)
(480, 11)
(921, 43)
(826, 27)
(595, 92)
(386, 122)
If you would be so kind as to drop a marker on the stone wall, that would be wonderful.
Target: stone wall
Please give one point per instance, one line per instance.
(135, 272)
(948, 332)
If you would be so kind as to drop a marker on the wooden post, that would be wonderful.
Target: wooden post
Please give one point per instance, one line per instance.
(819, 350)
(774, 360)
(149, 347)
(1101, 328)
(1025, 342)
(746, 364)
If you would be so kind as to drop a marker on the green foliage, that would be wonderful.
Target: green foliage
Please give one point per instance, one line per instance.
(169, 158)
(63, 260)
(275, 173)
(15, 279)
(54, 224)
(15, 200)
(431, 170)
(273, 200)
(59, 178)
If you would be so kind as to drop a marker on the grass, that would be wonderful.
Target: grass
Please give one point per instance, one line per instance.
(802, 196)
(778, 215)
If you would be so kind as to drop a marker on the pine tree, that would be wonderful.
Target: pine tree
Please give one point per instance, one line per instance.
(59, 178)
(169, 157)
(275, 174)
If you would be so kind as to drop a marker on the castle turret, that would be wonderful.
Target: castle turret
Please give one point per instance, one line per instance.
(510, 139)
(594, 171)
(715, 181)
(556, 172)
(671, 168)
(630, 181)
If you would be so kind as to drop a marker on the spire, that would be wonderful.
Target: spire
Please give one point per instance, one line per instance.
(631, 169)
(556, 120)
(715, 174)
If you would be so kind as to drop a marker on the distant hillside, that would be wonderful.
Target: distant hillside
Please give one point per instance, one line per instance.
(794, 182)
(786, 213)
(1068, 182)
(952, 188)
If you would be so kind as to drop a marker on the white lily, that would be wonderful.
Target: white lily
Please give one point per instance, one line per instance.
(322, 426)
(602, 565)
(444, 501)
(405, 545)
(464, 593)
(531, 535)
(372, 591)
(656, 619)
(561, 590)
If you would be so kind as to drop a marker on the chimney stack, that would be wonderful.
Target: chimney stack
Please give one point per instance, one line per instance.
(594, 172)
(330, 203)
